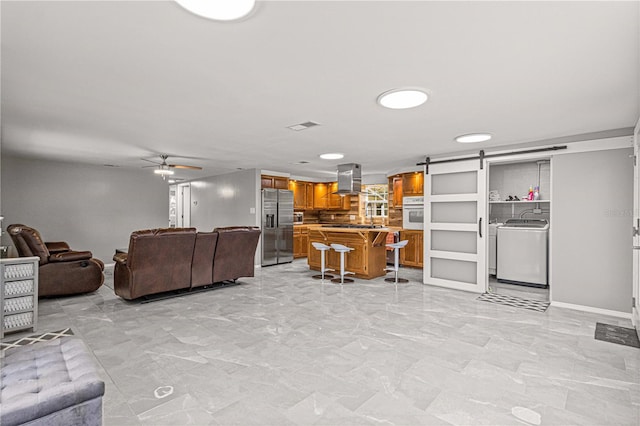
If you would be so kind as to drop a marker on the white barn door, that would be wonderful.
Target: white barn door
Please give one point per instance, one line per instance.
(455, 240)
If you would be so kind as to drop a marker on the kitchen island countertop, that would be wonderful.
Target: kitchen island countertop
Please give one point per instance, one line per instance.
(367, 259)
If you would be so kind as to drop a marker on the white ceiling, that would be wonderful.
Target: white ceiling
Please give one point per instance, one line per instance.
(111, 82)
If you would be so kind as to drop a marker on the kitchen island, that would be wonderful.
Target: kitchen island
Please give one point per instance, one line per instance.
(367, 260)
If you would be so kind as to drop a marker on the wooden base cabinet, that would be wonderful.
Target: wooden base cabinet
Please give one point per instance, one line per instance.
(367, 259)
(18, 294)
(300, 241)
(413, 252)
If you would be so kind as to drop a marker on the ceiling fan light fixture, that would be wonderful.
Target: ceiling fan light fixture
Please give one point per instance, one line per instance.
(402, 98)
(473, 138)
(163, 172)
(219, 10)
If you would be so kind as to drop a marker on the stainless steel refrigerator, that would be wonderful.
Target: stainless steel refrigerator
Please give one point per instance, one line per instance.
(277, 226)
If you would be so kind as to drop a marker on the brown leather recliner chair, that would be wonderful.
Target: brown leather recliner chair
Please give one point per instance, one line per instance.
(158, 260)
(62, 271)
(235, 252)
(202, 265)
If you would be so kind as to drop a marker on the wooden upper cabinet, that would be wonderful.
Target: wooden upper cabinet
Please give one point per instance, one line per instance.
(277, 182)
(320, 195)
(299, 194)
(336, 201)
(308, 202)
(311, 196)
(396, 188)
(280, 182)
(412, 184)
(266, 182)
(302, 194)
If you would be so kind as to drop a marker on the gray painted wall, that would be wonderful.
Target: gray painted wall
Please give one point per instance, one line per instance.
(591, 226)
(227, 200)
(91, 207)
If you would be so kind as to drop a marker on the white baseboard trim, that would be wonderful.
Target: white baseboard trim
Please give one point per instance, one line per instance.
(617, 314)
(109, 265)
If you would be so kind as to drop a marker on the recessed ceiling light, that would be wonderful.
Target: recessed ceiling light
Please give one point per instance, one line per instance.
(402, 98)
(219, 10)
(473, 138)
(332, 156)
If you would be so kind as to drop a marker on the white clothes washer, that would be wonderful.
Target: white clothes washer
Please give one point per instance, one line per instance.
(493, 235)
(522, 252)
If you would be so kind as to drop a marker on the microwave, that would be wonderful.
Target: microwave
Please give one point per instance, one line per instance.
(413, 212)
(298, 218)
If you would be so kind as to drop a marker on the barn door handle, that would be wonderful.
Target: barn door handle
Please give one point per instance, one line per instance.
(480, 227)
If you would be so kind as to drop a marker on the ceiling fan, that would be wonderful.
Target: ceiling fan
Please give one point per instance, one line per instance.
(165, 169)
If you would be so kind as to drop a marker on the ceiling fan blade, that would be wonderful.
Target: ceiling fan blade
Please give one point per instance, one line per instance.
(150, 161)
(182, 166)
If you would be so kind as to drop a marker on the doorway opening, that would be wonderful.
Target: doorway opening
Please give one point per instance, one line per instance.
(183, 201)
(519, 213)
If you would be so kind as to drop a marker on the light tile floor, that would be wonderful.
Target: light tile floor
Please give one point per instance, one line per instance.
(285, 349)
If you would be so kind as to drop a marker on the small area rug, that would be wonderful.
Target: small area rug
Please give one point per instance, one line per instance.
(24, 341)
(616, 334)
(517, 302)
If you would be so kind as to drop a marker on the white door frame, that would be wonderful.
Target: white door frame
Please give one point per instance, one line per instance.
(635, 311)
(183, 198)
(523, 158)
(479, 227)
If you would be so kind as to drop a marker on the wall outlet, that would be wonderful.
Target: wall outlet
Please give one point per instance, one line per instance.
(333, 216)
(252, 210)
(352, 217)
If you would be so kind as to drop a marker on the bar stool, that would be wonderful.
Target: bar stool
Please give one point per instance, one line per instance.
(323, 248)
(396, 266)
(339, 248)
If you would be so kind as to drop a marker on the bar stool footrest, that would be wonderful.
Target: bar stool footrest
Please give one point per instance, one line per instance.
(400, 280)
(339, 281)
(319, 276)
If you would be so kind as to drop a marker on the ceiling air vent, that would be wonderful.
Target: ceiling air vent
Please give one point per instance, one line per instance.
(303, 126)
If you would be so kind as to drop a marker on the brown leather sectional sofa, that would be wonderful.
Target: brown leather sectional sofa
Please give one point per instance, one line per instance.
(160, 260)
(61, 271)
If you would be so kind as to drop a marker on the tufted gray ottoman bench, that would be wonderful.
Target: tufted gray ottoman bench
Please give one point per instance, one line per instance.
(50, 383)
